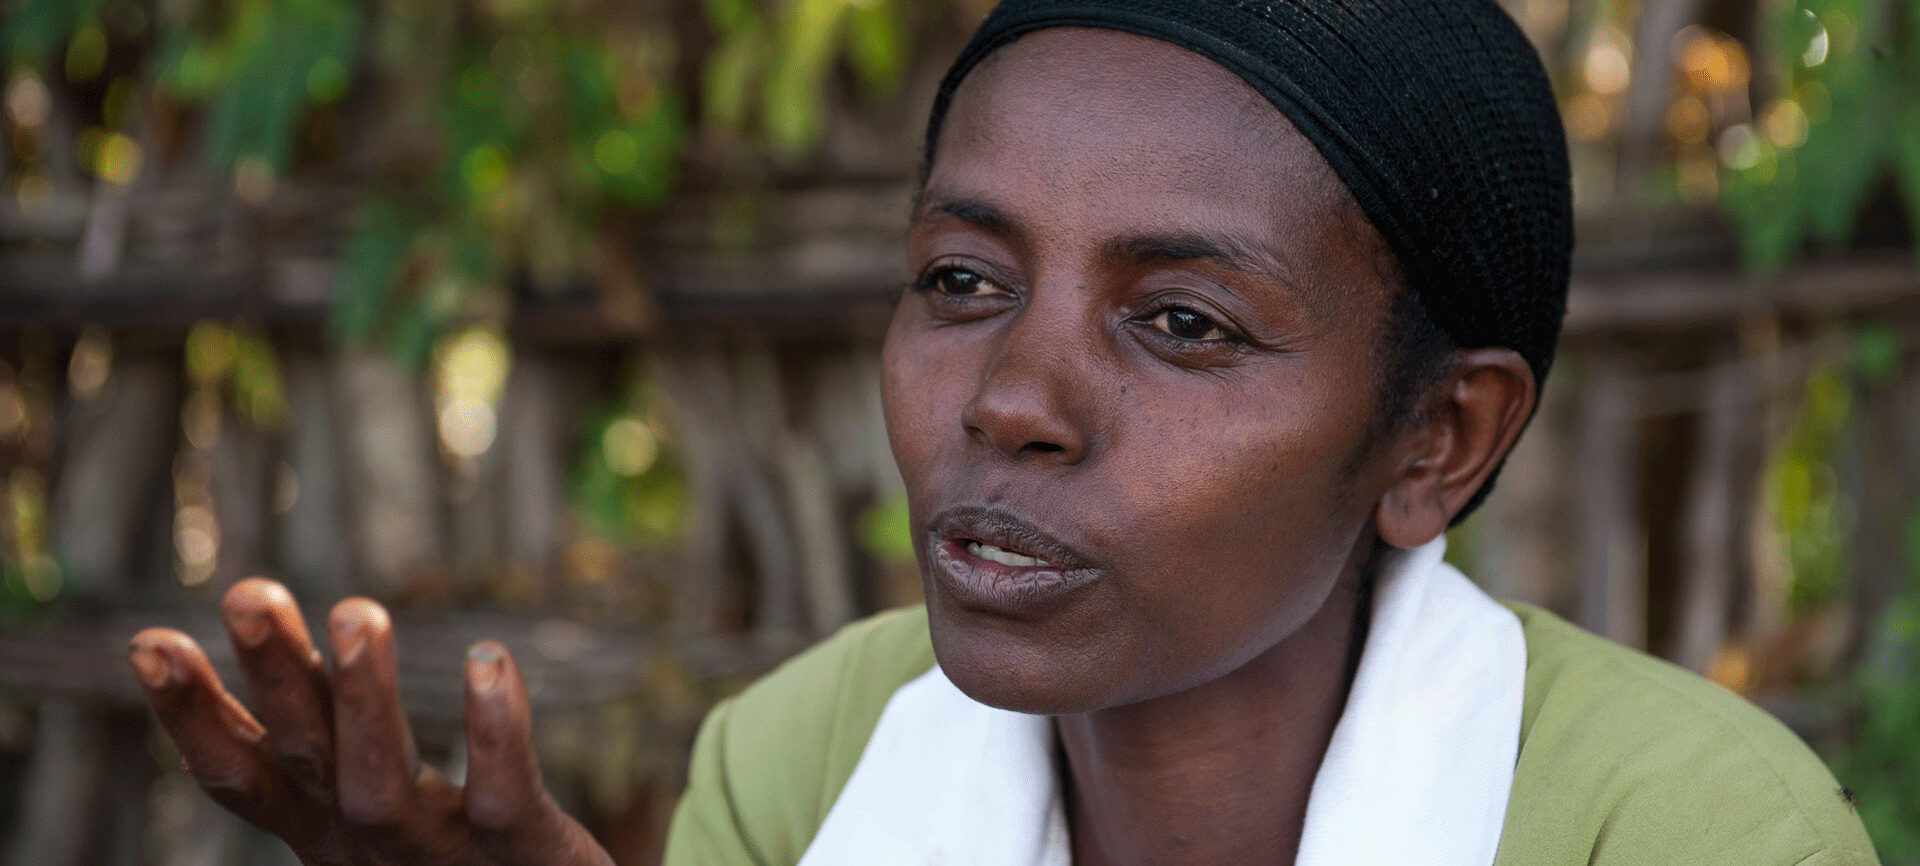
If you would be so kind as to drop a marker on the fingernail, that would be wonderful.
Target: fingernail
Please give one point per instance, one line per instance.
(483, 668)
(152, 666)
(249, 627)
(240, 722)
(349, 638)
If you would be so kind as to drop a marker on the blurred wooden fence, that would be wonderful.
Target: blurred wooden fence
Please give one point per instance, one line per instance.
(1633, 505)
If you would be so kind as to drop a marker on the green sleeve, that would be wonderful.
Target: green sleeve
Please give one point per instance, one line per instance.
(1840, 858)
(1627, 760)
(706, 828)
(769, 762)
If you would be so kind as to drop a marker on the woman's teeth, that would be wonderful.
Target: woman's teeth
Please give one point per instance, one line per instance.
(1005, 557)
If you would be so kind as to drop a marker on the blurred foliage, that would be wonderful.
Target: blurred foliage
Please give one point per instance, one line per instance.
(239, 363)
(1803, 495)
(1880, 757)
(505, 146)
(507, 141)
(1880, 760)
(886, 532)
(1846, 118)
(30, 576)
(764, 72)
(626, 484)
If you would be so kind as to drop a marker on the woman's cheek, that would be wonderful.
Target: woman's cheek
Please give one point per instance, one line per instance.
(904, 397)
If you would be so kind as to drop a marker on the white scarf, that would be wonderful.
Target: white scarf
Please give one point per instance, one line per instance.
(1417, 772)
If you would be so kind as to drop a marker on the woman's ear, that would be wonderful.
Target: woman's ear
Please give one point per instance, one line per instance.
(1468, 425)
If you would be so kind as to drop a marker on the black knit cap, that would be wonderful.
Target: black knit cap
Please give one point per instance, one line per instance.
(1436, 114)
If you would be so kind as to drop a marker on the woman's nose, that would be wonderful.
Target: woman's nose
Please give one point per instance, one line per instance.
(1030, 402)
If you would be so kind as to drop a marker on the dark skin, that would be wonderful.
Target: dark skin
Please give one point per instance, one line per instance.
(1148, 322)
(327, 762)
(1147, 328)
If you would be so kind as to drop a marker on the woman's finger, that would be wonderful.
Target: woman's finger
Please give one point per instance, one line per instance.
(375, 761)
(287, 680)
(503, 772)
(505, 800)
(222, 744)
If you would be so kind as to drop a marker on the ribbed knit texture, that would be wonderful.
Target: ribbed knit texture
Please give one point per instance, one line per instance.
(1436, 114)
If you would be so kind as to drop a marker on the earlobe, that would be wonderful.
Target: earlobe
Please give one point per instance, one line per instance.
(1486, 401)
(1412, 512)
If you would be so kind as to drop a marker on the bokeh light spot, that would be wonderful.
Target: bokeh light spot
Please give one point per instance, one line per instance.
(484, 168)
(616, 152)
(253, 180)
(119, 160)
(467, 427)
(1785, 124)
(630, 446)
(91, 363)
(1606, 66)
(1739, 147)
(27, 100)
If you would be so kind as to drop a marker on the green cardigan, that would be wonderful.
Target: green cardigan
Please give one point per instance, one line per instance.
(1625, 760)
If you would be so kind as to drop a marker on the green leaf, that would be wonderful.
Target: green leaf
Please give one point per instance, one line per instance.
(729, 17)
(262, 91)
(36, 30)
(412, 330)
(637, 162)
(370, 262)
(1769, 221)
(587, 80)
(876, 46)
(1853, 95)
(1876, 352)
(726, 82)
(792, 102)
(1906, 163)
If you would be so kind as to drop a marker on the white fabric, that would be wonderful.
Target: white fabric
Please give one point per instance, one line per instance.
(1421, 763)
(1418, 770)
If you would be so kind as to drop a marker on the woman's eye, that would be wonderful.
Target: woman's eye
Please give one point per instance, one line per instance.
(1185, 324)
(962, 283)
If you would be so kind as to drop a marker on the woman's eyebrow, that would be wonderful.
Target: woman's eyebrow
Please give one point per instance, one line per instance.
(1230, 253)
(974, 212)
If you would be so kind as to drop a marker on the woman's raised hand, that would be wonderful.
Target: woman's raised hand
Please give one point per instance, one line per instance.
(330, 765)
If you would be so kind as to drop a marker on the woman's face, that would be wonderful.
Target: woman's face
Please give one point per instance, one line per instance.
(1130, 390)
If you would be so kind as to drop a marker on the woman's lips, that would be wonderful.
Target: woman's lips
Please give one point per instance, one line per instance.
(1009, 590)
(990, 561)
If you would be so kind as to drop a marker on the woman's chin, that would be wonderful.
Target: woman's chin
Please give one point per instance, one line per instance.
(1012, 674)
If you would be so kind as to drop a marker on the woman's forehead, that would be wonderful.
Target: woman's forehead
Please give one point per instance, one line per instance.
(1101, 136)
(1066, 90)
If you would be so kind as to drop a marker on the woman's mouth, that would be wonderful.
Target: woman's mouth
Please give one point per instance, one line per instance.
(1005, 557)
(990, 561)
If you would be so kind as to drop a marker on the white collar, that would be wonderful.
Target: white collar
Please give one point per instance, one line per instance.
(1417, 772)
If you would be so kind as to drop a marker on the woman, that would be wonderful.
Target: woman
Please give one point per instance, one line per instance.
(1223, 312)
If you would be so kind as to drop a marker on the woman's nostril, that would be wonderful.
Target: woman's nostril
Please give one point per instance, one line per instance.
(1044, 447)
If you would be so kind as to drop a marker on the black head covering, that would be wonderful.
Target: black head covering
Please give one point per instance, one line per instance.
(1437, 115)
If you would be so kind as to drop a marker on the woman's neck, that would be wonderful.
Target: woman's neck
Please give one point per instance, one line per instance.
(1219, 773)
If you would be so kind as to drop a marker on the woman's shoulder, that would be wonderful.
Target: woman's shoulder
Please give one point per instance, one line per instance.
(843, 681)
(1625, 758)
(770, 761)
